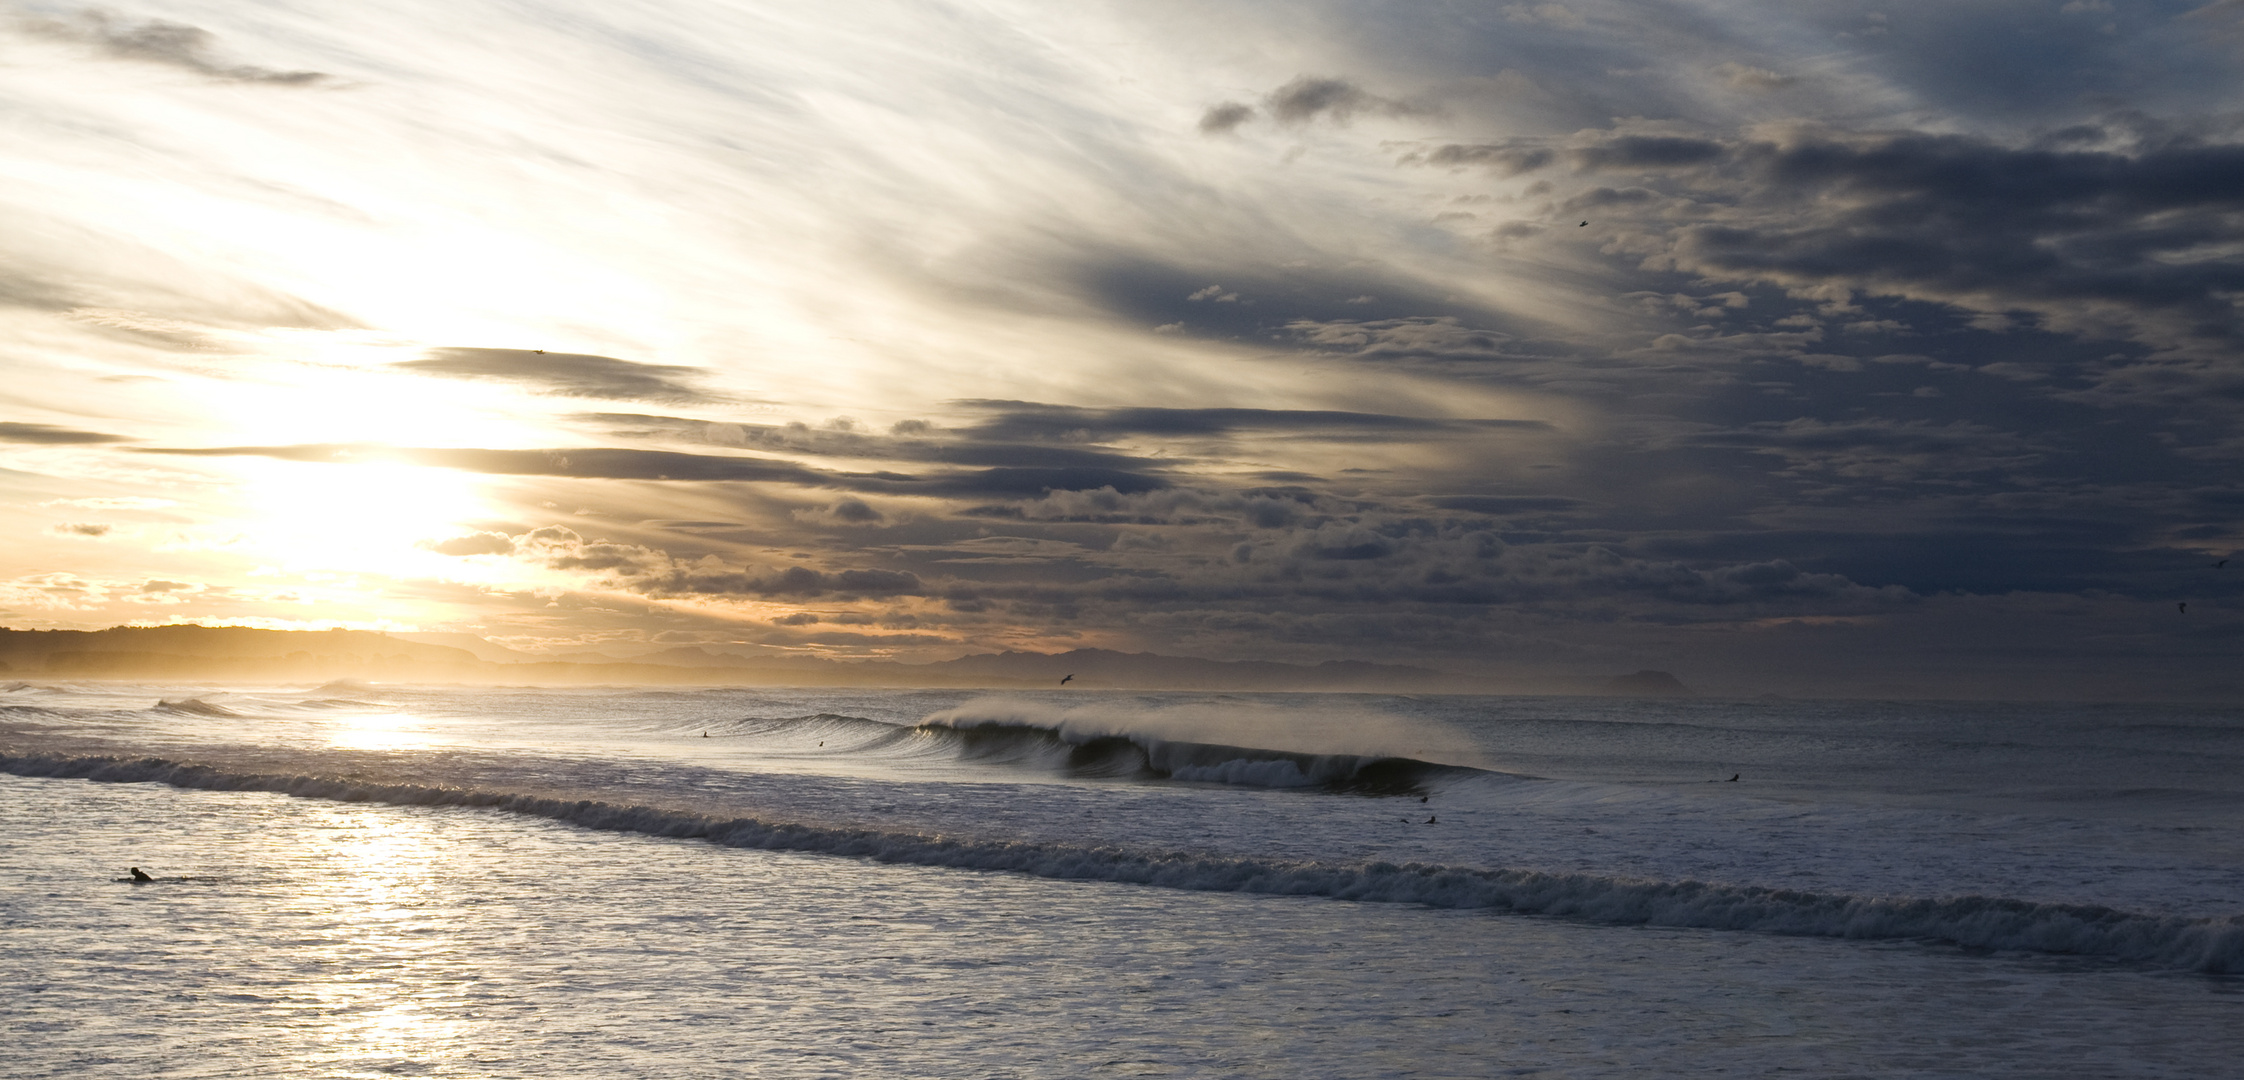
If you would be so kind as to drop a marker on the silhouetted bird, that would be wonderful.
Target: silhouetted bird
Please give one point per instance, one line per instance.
(1583, 225)
(2182, 606)
(1423, 798)
(140, 875)
(1065, 681)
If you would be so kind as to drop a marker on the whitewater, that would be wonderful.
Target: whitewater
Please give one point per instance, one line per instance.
(372, 880)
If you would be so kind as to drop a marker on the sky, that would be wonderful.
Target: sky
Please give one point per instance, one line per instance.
(1790, 347)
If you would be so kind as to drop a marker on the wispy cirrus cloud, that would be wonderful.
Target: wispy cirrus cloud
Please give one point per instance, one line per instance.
(160, 41)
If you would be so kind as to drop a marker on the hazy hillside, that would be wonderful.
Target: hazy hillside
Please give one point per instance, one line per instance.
(227, 653)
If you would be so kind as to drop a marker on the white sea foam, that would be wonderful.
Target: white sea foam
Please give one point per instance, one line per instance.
(2212, 945)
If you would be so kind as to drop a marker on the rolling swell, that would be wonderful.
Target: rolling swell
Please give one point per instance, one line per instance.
(2209, 945)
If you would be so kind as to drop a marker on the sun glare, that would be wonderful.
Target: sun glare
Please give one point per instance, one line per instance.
(363, 518)
(379, 731)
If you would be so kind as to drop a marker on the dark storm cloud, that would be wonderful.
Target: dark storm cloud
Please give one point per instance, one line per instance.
(1026, 483)
(156, 41)
(1883, 449)
(654, 572)
(2114, 227)
(845, 439)
(1497, 505)
(45, 435)
(1028, 420)
(564, 374)
(1251, 299)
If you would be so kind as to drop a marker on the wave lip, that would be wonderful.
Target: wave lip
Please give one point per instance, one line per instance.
(2207, 945)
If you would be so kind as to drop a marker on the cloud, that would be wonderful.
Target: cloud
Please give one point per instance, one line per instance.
(1225, 117)
(590, 463)
(910, 441)
(2120, 239)
(1555, 16)
(842, 512)
(482, 543)
(652, 572)
(45, 435)
(1435, 337)
(1309, 98)
(156, 41)
(1747, 77)
(613, 463)
(1027, 420)
(564, 374)
(1497, 505)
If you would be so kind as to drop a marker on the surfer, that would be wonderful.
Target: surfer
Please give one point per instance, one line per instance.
(139, 875)
(1733, 778)
(1429, 819)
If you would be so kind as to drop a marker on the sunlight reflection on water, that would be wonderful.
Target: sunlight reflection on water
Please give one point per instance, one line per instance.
(308, 938)
(380, 731)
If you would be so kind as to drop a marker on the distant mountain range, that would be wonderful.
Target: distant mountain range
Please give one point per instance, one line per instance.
(232, 653)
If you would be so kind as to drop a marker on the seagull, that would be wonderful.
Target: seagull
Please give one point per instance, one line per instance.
(1064, 682)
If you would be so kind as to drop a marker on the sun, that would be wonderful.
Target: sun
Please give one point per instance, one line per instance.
(367, 517)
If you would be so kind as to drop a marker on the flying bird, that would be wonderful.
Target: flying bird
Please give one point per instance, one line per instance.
(1064, 682)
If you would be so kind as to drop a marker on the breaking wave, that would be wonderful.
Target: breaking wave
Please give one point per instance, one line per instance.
(1086, 752)
(2209, 945)
(1139, 756)
(194, 707)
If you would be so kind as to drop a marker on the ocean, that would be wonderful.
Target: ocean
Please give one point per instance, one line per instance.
(373, 880)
